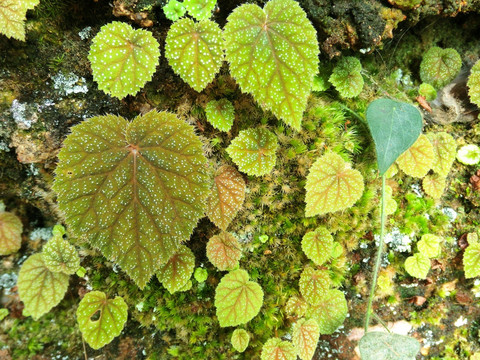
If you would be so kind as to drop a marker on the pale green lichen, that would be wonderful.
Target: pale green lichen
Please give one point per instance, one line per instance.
(469, 154)
(123, 59)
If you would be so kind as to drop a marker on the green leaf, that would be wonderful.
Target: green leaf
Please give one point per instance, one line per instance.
(200, 9)
(253, 151)
(195, 51)
(331, 185)
(471, 260)
(227, 196)
(296, 306)
(174, 10)
(429, 245)
(314, 284)
(427, 91)
(444, 148)
(418, 159)
(440, 66)
(3, 313)
(113, 314)
(10, 233)
(39, 288)
(135, 189)
(276, 349)
(394, 126)
(175, 274)
(473, 84)
(318, 245)
(418, 265)
(123, 59)
(305, 335)
(200, 274)
(346, 77)
(60, 256)
(390, 203)
(220, 114)
(434, 185)
(469, 154)
(237, 299)
(273, 54)
(240, 340)
(384, 346)
(330, 312)
(224, 251)
(12, 19)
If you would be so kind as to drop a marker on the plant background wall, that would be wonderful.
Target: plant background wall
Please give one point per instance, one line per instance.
(46, 87)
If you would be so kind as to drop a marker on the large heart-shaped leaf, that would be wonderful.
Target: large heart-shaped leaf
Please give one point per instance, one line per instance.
(276, 349)
(331, 185)
(318, 245)
(445, 149)
(237, 299)
(273, 55)
(195, 51)
(10, 233)
(330, 312)
(382, 346)
(112, 313)
(305, 336)
(39, 288)
(60, 256)
(226, 199)
(418, 265)
(240, 340)
(224, 251)
(175, 274)
(123, 59)
(418, 159)
(394, 126)
(253, 150)
(471, 260)
(314, 284)
(134, 190)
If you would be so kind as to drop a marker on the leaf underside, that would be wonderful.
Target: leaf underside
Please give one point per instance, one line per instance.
(276, 349)
(318, 245)
(224, 251)
(314, 284)
(330, 312)
(418, 159)
(240, 340)
(331, 186)
(135, 189)
(123, 59)
(195, 51)
(113, 315)
(10, 233)
(378, 345)
(227, 197)
(39, 288)
(272, 54)
(237, 299)
(305, 337)
(394, 126)
(175, 274)
(471, 260)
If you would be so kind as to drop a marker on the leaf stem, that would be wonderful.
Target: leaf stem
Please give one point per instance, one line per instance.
(378, 261)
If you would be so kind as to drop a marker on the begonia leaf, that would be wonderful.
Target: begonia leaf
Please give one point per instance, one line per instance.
(10, 233)
(277, 349)
(314, 284)
(418, 265)
(224, 251)
(177, 271)
(330, 312)
(318, 245)
(471, 260)
(240, 340)
(305, 335)
(418, 159)
(445, 149)
(60, 256)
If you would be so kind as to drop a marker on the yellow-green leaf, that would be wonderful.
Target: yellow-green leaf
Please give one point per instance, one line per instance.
(276, 349)
(429, 245)
(12, 19)
(318, 245)
(305, 335)
(237, 299)
(112, 313)
(226, 199)
(418, 159)
(434, 185)
(314, 284)
(39, 288)
(331, 185)
(224, 251)
(60, 256)
(10, 233)
(418, 265)
(220, 114)
(471, 260)
(175, 274)
(240, 340)
(445, 149)
(330, 312)
(296, 306)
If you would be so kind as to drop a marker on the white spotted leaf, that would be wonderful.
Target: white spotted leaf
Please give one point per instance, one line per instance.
(39, 288)
(445, 149)
(220, 114)
(273, 54)
(224, 251)
(305, 335)
(429, 245)
(135, 189)
(10, 233)
(471, 260)
(175, 274)
(226, 199)
(60, 256)
(253, 151)
(330, 312)
(240, 340)
(237, 299)
(318, 245)
(123, 59)
(112, 313)
(331, 185)
(418, 159)
(195, 51)
(277, 349)
(314, 284)
(296, 306)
